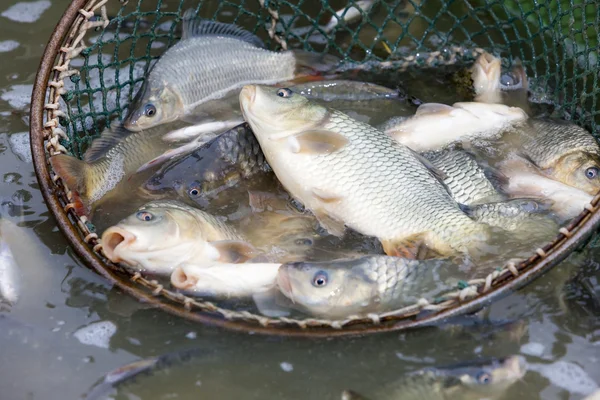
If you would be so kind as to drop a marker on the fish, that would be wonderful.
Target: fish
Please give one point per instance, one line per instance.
(364, 101)
(227, 159)
(164, 234)
(225, 280)
(10, 274)
(357, 287)
(466, 179)
(564, 152)
(348, 173)
(198, 79)
(113, 157)
(487, 379)
(524, 180)
(525, 214)
(435, 126)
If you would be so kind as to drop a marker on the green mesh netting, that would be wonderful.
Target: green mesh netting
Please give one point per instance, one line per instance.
(557, 41)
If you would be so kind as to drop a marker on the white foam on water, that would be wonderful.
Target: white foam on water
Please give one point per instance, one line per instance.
(566, 375)
(533, 349)
(191, 335)
(18, 96)
(19, 145)
(112, 177)
(8, 45)
(96, 334)
(286, 366)
(27, 11)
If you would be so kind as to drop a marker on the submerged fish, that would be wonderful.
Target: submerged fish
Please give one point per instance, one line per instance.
(435, 126)
(467, 181)
(473, 381)
(349, 173)
(370, 284)
(10, 276)
(225, 279)
(164, 234)
(230, 157)
(527, 215)
(113, 157)
(200, 75)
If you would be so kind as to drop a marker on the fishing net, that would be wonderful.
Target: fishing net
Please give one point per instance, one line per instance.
(101, 51)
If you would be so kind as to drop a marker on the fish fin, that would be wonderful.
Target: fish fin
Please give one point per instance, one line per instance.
(413, 247)
(194, 26)
(73, 172)
(170, 154)
(205, 130)
(352, 395)
(266, 303)
(325, 197)
(433, 108)
(107, 140)
(331, 225)
(307, 61)
(438, 173)
(234, 251)
(317, 142)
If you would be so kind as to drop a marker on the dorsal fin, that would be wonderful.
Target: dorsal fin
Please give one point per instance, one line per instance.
(108, 139)
(194, 26)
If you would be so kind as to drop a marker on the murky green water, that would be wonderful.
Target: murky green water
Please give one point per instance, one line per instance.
(45, 353)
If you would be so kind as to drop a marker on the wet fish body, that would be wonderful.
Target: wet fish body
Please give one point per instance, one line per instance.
(467, 382)
(369, 284)
(230, 157)
(203, 66)
(164, 234)
(349, 173)
(467, 181)
(225, 279)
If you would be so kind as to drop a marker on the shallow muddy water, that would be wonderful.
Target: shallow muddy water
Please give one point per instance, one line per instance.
(69, 327)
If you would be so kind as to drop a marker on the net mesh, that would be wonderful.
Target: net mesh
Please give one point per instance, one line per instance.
(557, 42)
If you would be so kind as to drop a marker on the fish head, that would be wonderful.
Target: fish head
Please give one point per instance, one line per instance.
(276, 113)
(328, 290)
(155, 105)
(155, 238)
(491, 379)
(579, 169)
(486, 76)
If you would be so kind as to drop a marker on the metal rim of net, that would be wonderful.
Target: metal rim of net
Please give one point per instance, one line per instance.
(45, 134)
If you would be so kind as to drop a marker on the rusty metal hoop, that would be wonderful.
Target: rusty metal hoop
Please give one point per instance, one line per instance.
(578, 231)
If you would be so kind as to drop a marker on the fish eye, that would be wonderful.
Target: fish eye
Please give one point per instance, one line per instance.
(484, 378)
(194, 192)
(320, 279)
(150, 110)
(285, 93)
(592, 172)
(144, 216)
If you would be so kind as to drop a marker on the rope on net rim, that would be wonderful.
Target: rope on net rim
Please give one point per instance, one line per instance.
(53, 133)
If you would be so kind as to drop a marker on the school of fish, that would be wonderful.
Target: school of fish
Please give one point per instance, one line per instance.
(432, 189)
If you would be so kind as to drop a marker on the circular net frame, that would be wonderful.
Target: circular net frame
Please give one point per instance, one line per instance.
(101, 50)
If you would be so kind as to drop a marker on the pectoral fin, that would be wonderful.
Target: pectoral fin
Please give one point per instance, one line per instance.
(267, 304)
(316, 142)
(331, 225)
(413, 247)
(234, 251)
(433, 108)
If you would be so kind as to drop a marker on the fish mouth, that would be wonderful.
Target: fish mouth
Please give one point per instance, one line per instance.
(114, 239)
(181, 280)
(283, 281)
(247, 95)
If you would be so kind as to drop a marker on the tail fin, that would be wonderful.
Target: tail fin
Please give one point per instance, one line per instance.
(311, 63)
(73, 172)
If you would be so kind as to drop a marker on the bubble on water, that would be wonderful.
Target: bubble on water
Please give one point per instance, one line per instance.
(191, 335)
(27, 11)
(96, 334)
(19, 145)
(286, 366)
(533, 349)
(8, 45)
(566, 375)
(18, 96)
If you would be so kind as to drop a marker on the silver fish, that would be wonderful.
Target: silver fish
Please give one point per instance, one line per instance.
(200, 75)
(349, 173)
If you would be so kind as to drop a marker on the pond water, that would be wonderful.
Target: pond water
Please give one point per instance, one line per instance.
(69, 327)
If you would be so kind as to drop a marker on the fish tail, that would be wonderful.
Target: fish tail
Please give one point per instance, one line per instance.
(73, 172)
(308, 63)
